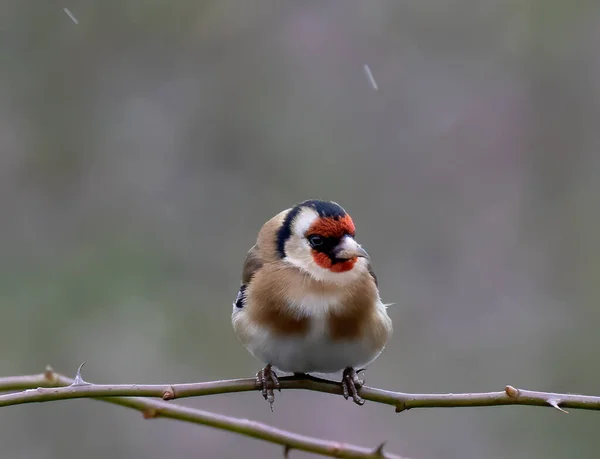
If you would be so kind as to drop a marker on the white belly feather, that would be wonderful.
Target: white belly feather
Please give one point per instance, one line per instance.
(314, 352)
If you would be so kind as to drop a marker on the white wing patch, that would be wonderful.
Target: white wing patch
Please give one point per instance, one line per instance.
(240, 299)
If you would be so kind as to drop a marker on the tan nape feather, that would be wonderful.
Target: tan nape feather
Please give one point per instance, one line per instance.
(267, 237)
(252, 263)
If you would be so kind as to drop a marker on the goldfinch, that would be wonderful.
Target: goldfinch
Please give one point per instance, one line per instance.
(309, 300)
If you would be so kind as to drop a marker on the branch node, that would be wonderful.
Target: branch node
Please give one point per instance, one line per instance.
(553, 402)
(378, 452)
(49, 374)
(150, 413)
(400, 407)
(336, 449)
(512, 392)
(169, 393)
(286, 451)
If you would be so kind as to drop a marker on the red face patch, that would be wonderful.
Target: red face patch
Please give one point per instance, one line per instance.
(332, 227)
(323, 260)
(336, 228)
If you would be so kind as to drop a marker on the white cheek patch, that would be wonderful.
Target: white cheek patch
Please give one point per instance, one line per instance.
(297, 249)
(303, 221)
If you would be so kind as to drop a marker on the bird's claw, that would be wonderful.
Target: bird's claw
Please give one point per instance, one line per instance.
(350, 385)
(263, 378)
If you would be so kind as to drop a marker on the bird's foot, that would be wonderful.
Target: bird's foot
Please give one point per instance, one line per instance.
(350, 385)
(267, 380)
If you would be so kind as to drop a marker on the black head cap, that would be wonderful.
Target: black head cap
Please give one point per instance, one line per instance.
(323, 209)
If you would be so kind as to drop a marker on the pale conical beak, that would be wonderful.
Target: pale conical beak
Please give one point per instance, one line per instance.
(348, 248)
(361, 253)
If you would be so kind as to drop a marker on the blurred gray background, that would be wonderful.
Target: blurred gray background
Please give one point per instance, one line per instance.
(142, 149)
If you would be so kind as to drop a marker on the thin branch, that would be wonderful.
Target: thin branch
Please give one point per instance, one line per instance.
(400, 400)
(50, 386)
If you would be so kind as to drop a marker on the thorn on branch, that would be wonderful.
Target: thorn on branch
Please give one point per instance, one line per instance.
(286, 451)
(78, 379)
(555, 404)
(512, 392)
(169, 394)
(378, 452)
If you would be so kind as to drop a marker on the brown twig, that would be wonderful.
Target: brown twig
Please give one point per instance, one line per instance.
(400, 400)
(50, 386)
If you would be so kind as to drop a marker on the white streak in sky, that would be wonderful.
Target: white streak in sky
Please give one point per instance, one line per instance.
(370, 77)
(73, 18)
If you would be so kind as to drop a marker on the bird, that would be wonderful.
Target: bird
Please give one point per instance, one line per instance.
(309, 299)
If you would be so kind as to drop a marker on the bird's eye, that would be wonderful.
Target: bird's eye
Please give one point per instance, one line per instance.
(315, 240)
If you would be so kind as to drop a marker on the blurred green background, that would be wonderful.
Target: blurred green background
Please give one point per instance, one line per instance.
(142, 148)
